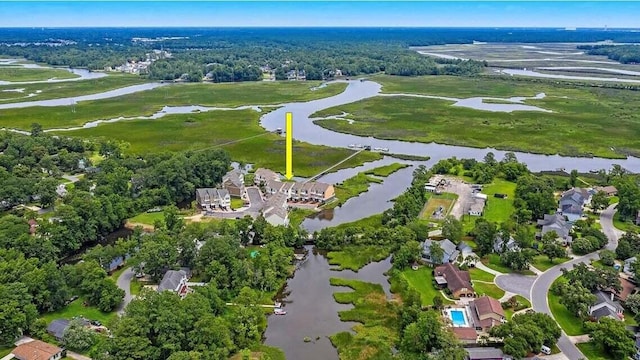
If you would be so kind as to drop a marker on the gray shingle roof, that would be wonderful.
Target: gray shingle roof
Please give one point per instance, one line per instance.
(171, 280)
(484, 353)
(56, 328)
(450, 250)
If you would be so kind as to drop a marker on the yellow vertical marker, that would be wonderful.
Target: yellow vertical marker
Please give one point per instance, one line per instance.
(289, 145)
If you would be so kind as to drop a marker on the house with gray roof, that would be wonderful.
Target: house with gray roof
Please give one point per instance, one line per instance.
(450, 250)
(57, 327)
(606, 306)
(572, 202)
(233, 181)
(628, 265)
(211, 198)
(175, 281)
(486, 353)
(500, 246)
(275, 211)
(557, 223)
(261, 176)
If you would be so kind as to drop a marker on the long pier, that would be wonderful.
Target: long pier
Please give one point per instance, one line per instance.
(338, 164)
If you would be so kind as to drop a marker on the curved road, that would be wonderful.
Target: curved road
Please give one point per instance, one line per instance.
(124, 283)
(541, 285)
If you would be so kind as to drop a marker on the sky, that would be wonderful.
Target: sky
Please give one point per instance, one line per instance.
(320, 13)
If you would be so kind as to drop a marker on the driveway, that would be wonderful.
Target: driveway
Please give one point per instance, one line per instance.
(124, 283)
(464, 192)
(542, 284)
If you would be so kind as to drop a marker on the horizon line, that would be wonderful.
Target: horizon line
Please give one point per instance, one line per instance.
(568, 28)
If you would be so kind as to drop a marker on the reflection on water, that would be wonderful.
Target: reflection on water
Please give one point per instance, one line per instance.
(311, 310)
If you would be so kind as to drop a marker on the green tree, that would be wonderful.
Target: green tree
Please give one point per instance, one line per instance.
(577, 298)
(452, 229)
(436, 252)
(607, 257)
(554, 251)
(485, 235)
(612, 336)
(77, 336)
(599, 200)
(518, 260)
(407, 254)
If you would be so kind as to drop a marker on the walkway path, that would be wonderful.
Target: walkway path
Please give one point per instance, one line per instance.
(542, 284)
(333, 166)
(484, 267)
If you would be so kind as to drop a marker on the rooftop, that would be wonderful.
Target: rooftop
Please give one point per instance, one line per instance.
(35, 350)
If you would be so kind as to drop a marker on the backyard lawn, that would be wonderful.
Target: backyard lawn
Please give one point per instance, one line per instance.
(477, 274)
(422, 281)
(542, 263)
(593, 351)
(492, 290)
(148, 218)
(499, 210)
(624, 225)
(492, 261)
(508, 312)
(77, 309)
(567, 321)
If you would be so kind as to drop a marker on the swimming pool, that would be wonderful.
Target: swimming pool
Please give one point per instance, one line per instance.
(458, 317)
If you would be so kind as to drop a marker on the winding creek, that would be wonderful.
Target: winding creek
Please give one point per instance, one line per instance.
(308, 297)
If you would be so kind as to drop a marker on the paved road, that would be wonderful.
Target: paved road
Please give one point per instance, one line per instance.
(124, 283)
(516, 283)
(541, 286)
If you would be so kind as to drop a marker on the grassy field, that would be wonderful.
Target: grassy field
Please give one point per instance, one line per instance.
(567, 321)
(422, 281)
(497, 210)
(146, 103)
(48, 91)
(384, 171)
(356, 257)
(236, 203)
(76, 308)
(258, 353)
(580, 119)
(17, 74)
(510, 311)
(624, 225)
(148, 218)
(373, 221)
(297, 216)
(211, 129)
(492, 261)
(445, 200)
(377, 332)
(542, 263)
(5, 351)
(352, 187)
(492, 290)
(477, 274)
(593, 351)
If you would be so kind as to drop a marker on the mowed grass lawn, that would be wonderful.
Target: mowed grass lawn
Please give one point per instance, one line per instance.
(76, 308)
(18, 73)
(214, 128)
(492, 290)
(497, 209)
(593, 351)
(148, 102)
(46, 91)
(542, 263)
(581, 117)
(492, 261)
(567, 321)
(445, 200)
(477, 274)
(422, 281)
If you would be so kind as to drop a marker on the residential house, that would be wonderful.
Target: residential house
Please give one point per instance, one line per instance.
(628, 266)
(275, 210)
(57, 327)
(210, 198)
(33, 226)
(487, 312)
(500, 246)
(486, 353)
(322, 192)
(175, 281)
(557, 223)
(273, 187)
(450, 251)
(61, 190)
(233, 181)
(465, 250)
(572, 202)
(477, 206)
(606, 306)
(457, 281)
(37, 350)
(610, 190)
(262, 176)
(465, 335)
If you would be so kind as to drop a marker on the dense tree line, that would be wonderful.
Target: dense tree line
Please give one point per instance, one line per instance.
(526, 333)
(625, 54)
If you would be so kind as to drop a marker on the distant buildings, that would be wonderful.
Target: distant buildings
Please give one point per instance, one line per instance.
(140, 67)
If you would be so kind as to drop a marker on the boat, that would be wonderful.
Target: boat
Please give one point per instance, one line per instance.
(279, 311)
(352, 145)
(277, 305)
(384, 149)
